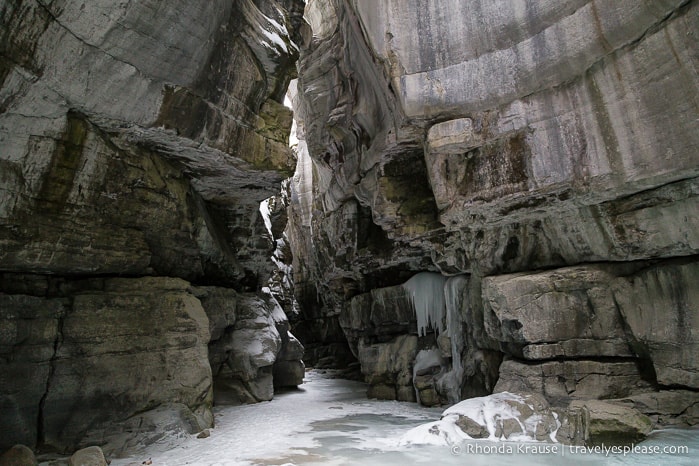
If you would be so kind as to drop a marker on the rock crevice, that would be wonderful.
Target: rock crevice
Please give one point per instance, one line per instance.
(41, 440)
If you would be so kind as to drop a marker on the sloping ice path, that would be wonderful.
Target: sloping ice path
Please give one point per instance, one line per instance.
(329, 421)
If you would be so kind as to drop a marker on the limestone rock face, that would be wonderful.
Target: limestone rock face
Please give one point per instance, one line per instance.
(251, 350)
(566, 312)
(667, 407)
(29, 334)
(544, 155)
(137, 139)
(660, 307)
(146, 338)
(561, 381)
(387, 368)
(141, 138)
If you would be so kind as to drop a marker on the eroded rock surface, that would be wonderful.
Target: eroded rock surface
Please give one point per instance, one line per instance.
(99, 357)
(137, 140)
(543, 157)
(251, 350)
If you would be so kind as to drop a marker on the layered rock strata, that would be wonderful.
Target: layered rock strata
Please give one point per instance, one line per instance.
(545, 156)
(137, 140)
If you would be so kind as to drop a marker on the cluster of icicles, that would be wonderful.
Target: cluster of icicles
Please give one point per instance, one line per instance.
(435, 296)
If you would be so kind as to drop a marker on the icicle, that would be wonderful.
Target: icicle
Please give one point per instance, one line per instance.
(453, 296)
(427, 292)
(453, 290)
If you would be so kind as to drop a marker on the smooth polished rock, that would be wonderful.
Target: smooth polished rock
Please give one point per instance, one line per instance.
(90, 456)
(18, 455)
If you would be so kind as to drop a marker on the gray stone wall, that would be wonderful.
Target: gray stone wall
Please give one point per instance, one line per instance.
(544, 152)
(137, 140)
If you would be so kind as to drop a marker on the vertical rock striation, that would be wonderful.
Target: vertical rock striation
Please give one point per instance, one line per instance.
(137, 140)
(545, 154)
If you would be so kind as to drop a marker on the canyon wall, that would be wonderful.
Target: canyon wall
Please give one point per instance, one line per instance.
(503, 196)
(485, 196)
(137, 140)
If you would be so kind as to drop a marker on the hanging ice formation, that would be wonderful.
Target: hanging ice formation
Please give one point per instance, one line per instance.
(427, 293)
(450, 382)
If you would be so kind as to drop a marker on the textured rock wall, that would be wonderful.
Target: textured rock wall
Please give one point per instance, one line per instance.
(137, 140)
(546, 153)
(85, 360)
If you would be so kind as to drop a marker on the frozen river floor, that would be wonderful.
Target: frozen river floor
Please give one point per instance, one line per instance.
(329, 421)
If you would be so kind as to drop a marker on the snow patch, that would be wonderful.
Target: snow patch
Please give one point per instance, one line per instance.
(266, 215)
(440, 433)
(426, 359)
(274, 38)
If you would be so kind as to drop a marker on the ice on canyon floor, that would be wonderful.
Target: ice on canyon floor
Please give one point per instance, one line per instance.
(330, 422)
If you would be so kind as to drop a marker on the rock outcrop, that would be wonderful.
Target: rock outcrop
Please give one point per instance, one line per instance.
(137, 140)
(93, 363)
(595, 422)
(251, 350)
(540, 162)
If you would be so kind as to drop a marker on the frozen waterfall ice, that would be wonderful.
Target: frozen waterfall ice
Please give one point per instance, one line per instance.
(427, 293)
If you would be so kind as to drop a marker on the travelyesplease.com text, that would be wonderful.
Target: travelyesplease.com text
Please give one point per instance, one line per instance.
(482, 448)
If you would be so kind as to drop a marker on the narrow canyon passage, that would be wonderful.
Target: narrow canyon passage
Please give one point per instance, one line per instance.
(486, 205)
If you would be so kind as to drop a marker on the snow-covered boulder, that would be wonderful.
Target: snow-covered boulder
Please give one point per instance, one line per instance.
(501, 416)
